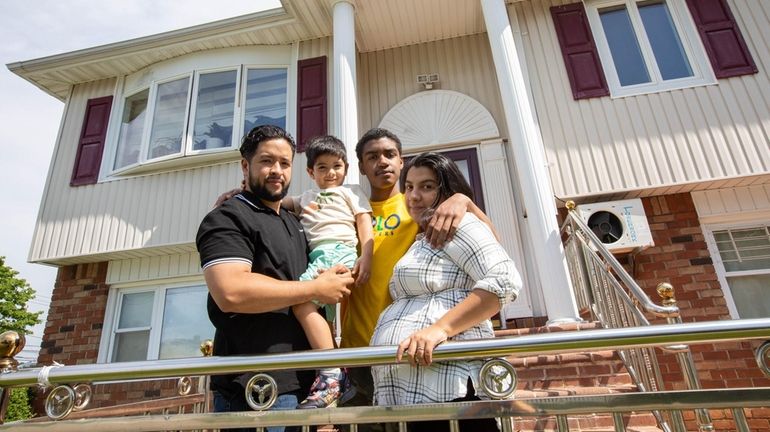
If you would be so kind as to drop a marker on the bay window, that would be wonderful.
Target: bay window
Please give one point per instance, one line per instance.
(200, 112)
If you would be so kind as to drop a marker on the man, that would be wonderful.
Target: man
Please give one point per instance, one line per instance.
(252, 253)
(379, 159)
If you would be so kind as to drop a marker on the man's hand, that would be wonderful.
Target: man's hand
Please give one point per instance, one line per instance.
(226, 196)
(331, 285)
(442, 226)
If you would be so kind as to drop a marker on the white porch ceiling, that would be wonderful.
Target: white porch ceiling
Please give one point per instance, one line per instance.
(380, 24)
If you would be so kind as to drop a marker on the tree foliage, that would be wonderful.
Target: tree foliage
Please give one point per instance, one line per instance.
(19, 405)
(14, 295)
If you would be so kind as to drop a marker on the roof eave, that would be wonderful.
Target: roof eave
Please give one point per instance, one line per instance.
(28, 68)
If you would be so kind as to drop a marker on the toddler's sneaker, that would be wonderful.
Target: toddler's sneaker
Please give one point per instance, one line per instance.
(326, 391)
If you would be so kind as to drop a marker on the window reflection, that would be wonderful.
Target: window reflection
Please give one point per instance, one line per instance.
(265, 98)
(168, 120)
(131, 129)
(214, 110)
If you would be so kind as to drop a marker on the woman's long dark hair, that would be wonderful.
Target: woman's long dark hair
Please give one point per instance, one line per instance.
(450, 179)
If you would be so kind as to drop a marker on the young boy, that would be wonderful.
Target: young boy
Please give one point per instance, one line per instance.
(336, 217)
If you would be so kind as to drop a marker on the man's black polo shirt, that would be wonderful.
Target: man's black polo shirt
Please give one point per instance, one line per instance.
(244, 230)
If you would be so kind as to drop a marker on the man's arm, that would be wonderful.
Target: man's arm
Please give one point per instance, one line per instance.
(447, 217)
(236, 289)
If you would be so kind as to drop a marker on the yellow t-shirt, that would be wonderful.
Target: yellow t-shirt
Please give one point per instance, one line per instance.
(394, 232)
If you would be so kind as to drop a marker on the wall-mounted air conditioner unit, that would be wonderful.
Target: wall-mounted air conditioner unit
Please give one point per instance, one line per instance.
(621, 225)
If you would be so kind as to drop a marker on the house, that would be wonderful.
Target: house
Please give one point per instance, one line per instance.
(541, 101)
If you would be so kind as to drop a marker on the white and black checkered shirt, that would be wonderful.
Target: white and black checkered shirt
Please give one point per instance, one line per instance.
(427, 283)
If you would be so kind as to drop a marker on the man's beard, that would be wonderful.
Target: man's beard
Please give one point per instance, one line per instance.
(261, 191)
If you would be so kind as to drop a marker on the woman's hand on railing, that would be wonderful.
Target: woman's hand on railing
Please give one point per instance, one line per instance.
(420, 345)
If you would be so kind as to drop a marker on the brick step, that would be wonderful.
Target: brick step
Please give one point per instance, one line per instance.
(600, 372)
(633, 422)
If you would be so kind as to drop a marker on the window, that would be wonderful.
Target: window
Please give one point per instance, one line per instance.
(647, 46)
(158, 323)
(744, 267)
(197, 113)
(265, 98)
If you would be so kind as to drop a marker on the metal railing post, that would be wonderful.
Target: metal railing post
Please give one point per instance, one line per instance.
(684, 355)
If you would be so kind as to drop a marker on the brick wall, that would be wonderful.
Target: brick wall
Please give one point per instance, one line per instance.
(681, 257)
(73, 332)
(76, 315)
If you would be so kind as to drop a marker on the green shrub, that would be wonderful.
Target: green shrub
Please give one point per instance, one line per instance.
(18, 406)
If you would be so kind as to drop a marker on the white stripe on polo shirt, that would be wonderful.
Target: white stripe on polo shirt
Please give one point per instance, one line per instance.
(226, 260)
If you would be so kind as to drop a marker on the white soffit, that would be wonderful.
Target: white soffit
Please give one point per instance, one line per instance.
(439, 117)
(394, 23)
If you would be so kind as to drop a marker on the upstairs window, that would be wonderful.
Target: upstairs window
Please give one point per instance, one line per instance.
(647, 46)
(203, 112)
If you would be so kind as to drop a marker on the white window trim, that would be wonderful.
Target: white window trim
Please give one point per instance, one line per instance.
(193, 107)
(685, 27)
(716, 258)
(114, 303)
(241, 58)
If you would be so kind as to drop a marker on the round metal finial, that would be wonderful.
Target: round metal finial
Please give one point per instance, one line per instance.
(666, 292)
(261, 392)
(498, 378)
(183, 386)
(11, 343)
(82, 396)
(207, 348)
(763, 356)
(60, 402)
(570, 205)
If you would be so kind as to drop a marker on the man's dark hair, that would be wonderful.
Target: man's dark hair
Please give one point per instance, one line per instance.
(325, 145)
(450, 179)
(263, 133)
(375, 134)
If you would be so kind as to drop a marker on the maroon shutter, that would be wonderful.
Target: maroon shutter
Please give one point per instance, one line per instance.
(722, 39)
(311, 100)
(584, 68)
(91, 144)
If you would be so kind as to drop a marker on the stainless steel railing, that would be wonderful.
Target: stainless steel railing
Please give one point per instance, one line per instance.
(605, 290)
(519, 346)
(527, 345)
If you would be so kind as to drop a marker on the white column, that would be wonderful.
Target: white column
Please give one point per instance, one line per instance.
(527, 147)
(344, 96)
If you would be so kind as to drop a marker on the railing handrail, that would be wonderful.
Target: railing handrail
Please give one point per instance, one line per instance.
(551, 343)
(644, 300)
(537, 407)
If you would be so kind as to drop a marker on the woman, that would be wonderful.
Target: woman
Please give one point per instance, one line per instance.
(438, 295)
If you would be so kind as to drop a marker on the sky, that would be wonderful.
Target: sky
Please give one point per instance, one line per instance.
(29, 118)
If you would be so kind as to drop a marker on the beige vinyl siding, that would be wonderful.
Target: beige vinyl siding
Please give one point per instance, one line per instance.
(735, 204)
(605, 145)
(135, 216)
(129, 214)
(464, 64)
(176, 265)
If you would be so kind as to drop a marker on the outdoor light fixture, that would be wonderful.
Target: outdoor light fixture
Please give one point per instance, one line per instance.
(427, 80)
